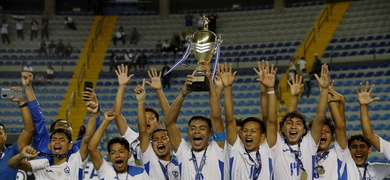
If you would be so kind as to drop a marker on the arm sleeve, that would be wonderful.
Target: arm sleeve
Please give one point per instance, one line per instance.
(41, 137)
(39, 164)
(385, 148)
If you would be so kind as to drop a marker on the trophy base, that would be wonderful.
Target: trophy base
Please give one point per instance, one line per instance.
(201, 83)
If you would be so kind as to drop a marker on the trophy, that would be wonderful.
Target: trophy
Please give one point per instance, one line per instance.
(203, 44)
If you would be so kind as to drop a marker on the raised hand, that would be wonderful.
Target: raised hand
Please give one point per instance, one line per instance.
(260, 71)
(268, 75)
(109, 116)
(140, 92)
(29, 152)
(296, 86)
(123, 78)
(155, 79)
(27, 78)
(90, 95)
(334, 96)
(186, 88)
(364, 95)
(92, 107)
(206, 69)
(226, 74)
(324, 80)
(16, 99)
(218, 81)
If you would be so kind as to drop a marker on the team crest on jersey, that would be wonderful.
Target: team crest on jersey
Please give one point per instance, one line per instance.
(175, 174)
(67, 170)
(2, 154)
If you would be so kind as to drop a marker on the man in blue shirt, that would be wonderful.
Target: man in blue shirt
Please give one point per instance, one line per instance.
(41, 136)
(24, 139)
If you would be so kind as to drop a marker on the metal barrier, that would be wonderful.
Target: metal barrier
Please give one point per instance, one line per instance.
(81, 78)
(71, 104)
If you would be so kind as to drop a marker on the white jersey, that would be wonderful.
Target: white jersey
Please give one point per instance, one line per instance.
(242, 167)
(287, 166)
(385, 148)
(334, 164)
(133, 139)
(214, 166)
(73, 169)
(107, 172)
(154, 169)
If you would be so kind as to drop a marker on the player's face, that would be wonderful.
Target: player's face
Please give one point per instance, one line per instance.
(119, 156)
(64, 125)
(160, 144)
(3, 137)
(199, 134)
(326, 139)
(59, 144)
(252, 135)
(293, 129)
(359, 152)
(151, 121)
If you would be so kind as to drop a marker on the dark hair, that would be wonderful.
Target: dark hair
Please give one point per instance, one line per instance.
(158, 130)
(239, 122)
(329, 122)
(5, 130)
(122, 141)
(150, 109)
(290, 115)
(201, 117)
(63, 131)
(358, 137)
(53, 125)
(257, 120)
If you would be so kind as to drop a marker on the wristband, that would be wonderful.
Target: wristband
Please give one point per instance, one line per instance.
(23, 105)
(270, 92)
(219, 136)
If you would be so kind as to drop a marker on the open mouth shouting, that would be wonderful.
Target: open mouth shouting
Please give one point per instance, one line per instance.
(57, 149)
(161, 148)
(248, 141)
(323, 140)
(359, 157)
(119, 163)
(197, 141)
(293, 134)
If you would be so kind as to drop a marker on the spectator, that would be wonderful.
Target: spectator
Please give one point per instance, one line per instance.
(175, 43)
(39, 80)
(119, 35)
(183, 41)
(45, 27)
(188, 20)
(4, 33)
(134, 36)
(34, 29)
(166, 80)
(52, 48)
(317, 64)
(142, 61)
(50, 73)
(158, 47)
(200, 22)
(68, 50)
(128, 59)
(113, 61)
(165, 46)
(28, 68)
(302, 64)
(60, 49)
(19, 25)
(213, 22)
(81, 132)
(42, 48)
(306, 81)
(282, 108)
(69, 23)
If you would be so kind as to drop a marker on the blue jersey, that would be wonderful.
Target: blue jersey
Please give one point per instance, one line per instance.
(5, 171)
(41, 136)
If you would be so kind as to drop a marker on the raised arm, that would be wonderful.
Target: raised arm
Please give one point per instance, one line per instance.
(267, 79)
(93, 109)
(335, 98)
(365, 99)
(227, 76)
(319, 120)
(17, 161)
(171, 118)
(41, 136)
(155, 83)
(25, 137)
(143, 130)
(96, 157)
(263, 92)
(295, 88)
(123, 80)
